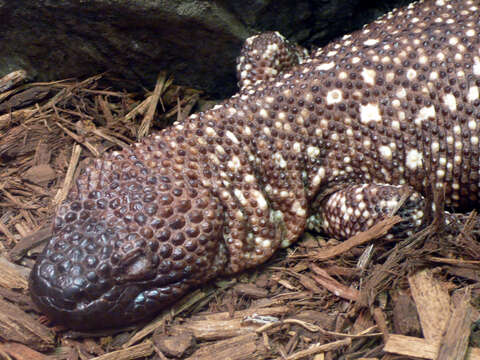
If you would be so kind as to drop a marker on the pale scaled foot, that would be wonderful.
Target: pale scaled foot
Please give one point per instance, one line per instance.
(356, 208)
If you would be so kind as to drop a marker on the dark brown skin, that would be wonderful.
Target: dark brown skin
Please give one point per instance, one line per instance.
(392, 108)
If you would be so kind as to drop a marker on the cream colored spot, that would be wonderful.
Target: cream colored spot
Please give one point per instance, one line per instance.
(260, 199)
(369, 112)
(401, 93)
(453, 41)
(234, 164)
(470, 32)
(411, 74)
(297, 147)
(263, 113)
(369, 76)
(210, 131)
(473, 94)
(386, 152)
(476, 65)
(232, 137)
(249, 178)
(313, 151)
(472, 124)
(424, 114)
(297, 209)
(450, 102)
(325, 66)
(334, 96)
(414, 159)
(279, 160)
(370, 42)
(220, 149)
(319, 176)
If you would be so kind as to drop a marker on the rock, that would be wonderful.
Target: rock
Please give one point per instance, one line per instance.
(195, 40)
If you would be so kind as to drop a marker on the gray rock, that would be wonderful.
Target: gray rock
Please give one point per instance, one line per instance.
(195, 40)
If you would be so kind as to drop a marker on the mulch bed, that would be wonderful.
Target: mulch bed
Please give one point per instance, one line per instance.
(364, 298)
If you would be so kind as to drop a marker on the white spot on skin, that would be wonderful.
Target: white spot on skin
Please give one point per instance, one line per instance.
(279, 160)
(263, 113)
(239, 195)
(313, 151)
(298, 210)
(424, 114)
(325, 66)
(450, 102)
(453, 41)
(472, 125)
(401, 93)
(473, 94)
(370, 112)
(297, 147)
(232, 137)
(234, 164)
(414, 159)
(210, 132)
(411, 74)
(370, 42)
(260, 199)
(334, 96)
(249, 178)
(386, 152)
(476, 65)
(319, 176)
(369, 76)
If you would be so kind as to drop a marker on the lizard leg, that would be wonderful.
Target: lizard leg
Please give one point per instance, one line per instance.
(356, 208)
(266, 55)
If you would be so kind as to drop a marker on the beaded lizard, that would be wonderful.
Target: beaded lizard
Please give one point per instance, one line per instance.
(391, 109)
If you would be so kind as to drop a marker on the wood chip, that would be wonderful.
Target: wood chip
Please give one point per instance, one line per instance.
(454, 343)
(174, 345)
(419, 348)
(223, 325)
(378, 230)
(40, 174)
(13, 276)
(245, 347)
(21, 352)
(433, 304)
(16, 325)
(12, 79)
(133, 352)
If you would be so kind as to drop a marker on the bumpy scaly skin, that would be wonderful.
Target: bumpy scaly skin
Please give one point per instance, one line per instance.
(389, 109)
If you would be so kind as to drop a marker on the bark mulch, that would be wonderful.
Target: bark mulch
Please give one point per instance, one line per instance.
(364, 298)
